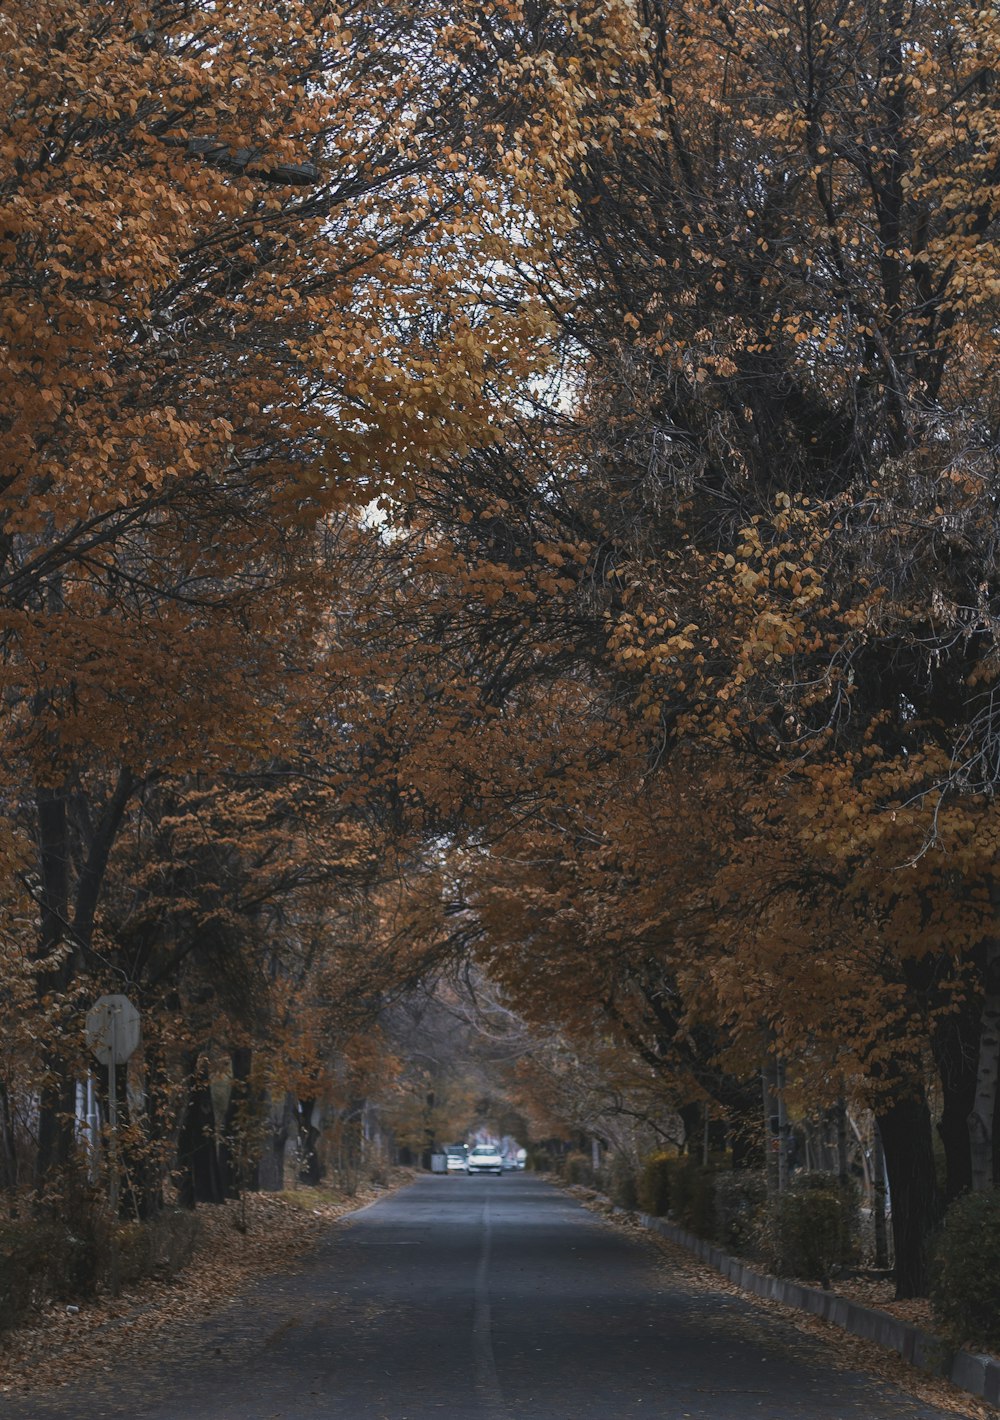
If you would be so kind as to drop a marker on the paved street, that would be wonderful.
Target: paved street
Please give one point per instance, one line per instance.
(482, 1297)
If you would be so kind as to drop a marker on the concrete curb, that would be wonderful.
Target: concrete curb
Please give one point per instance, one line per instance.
(968, 1370)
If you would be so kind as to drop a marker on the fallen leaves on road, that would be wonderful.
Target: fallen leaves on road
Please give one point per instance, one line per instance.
(66, 1342)
(845, 1351)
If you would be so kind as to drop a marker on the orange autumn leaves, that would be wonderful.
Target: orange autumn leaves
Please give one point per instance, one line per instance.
(770, 495)
(287, 493)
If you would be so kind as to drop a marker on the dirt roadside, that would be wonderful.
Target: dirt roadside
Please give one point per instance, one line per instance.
(65, 1342)
(845, 1351)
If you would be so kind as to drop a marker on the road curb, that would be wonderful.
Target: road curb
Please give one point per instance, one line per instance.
(970, 1371)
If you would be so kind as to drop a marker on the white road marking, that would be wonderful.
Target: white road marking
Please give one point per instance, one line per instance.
(487, 1380)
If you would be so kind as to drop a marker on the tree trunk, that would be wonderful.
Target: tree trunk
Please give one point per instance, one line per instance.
(237, 1149)
(691, 1116)
(200, 1178)
(779, 1082)
(905, 1127)
(57, 1097)
(8, 1146)
(843, 1158)
(955, 1046)
(122, 1158)
(271, 1166)
(953, 1128)
(878, 1201)
(988, 1066)
(157, 1123)
(311, 1169)
(772, 1136)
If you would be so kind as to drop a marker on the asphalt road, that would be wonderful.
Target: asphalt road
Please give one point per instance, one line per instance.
(482, 1297)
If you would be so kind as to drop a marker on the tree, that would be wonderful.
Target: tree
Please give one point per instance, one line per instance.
(778, 297)
(237, 253)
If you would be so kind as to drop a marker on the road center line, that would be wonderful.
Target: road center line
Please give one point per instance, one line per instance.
(487, 1380)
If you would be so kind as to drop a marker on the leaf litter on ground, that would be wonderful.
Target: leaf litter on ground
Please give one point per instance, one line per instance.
(238, 1242)
(844, 1350)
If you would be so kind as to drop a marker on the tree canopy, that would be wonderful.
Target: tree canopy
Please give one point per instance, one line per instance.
(511, 483)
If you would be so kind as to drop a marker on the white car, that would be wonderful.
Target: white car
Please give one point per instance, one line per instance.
(457, 1157)
(484, 1158)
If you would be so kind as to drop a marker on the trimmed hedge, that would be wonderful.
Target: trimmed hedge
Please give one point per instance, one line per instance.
(681, 1187)
(740, 1199)
(807, 1232)
(813, 1228)
(621, 1182)
(965, 1285)
(653, 1191)
(577, 1168)
(692, 1196)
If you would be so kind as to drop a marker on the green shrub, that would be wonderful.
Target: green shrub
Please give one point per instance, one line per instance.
(692, 1196)
(814, 1227)
(653, 1185)
(849, 1198)
(577, 1168)
(806, 1233)
(740, 1207)
(965, 1286)
(621, 1183)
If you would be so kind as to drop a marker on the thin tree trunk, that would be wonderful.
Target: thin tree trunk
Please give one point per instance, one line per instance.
(311, 1169)
(956, 1137)
(863, 1155)
(64, 942)
(57, 1097)
(238, 1159)
(955, 1046)
(156, 1124)
(878, 1201)
(988, 1067)
(843, 1167)
(8, 1147)
(779, 1080)
(770, 1137)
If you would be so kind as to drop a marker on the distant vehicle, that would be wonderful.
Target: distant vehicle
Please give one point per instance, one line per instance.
(509, 1163)
(484, 1158)
(457, 1156)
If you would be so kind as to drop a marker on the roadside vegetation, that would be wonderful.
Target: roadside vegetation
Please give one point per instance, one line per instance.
(498, 538)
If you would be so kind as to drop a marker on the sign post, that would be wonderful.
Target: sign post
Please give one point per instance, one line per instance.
(113, 1035)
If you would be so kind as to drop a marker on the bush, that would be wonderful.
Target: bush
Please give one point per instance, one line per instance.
(577, 1168)
(740, 1209)
(159, 1248)
(965, 1286)
(653, 1185)
(540, 1160)
(31, 1260)
(621, 1182)
(806, 1231)
(692, 1196)
(45, 1260)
